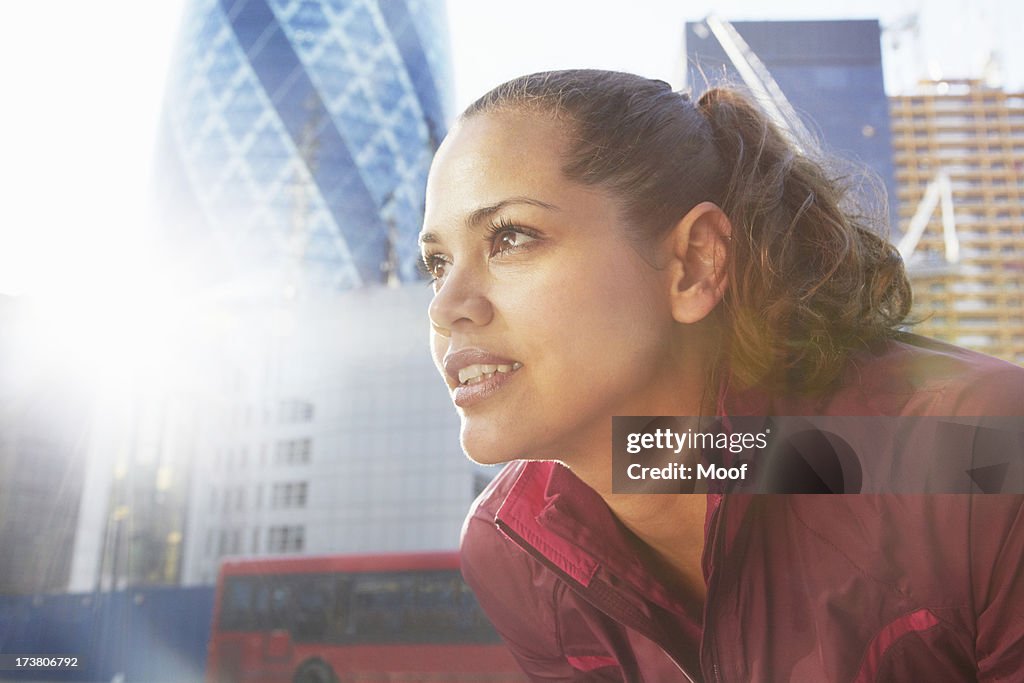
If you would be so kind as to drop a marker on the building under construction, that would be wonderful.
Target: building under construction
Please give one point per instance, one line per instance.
(958, 149)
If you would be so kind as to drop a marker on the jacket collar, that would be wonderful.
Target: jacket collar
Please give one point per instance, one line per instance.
(552, 513)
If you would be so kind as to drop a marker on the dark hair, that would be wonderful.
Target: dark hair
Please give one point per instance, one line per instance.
(810, 279)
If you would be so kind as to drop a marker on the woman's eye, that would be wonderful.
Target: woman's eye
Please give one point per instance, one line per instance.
(509, 239)
(435, 265)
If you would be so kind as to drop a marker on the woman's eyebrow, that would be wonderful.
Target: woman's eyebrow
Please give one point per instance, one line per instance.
(485, 212)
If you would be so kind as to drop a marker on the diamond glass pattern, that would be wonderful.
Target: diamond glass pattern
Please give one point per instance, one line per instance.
(311, 116)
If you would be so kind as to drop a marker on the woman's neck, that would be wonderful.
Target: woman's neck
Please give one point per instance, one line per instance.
(668, 528)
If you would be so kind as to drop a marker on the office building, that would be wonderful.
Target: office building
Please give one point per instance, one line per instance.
(298, 136)
(44, 422)
(297, 140)
(330, 432)
(829, 73)
(965, 141)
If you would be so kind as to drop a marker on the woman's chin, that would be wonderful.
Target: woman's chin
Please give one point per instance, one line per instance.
(487, 448)
(488, 459)
(489, 454)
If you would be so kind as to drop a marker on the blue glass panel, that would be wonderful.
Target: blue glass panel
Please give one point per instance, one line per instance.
(410, 134)
(211, 25)
(196, 112)
(243, 109)
(349, 85)
(320, 246)
(361, 27)
(223, 65)
(332, 71)
(355, 117)
(396, 16)
(364, 42)
(377, 168)
(310, 17)
(282, 203)
(292, 92)
(268, 155)
(212, 157)
(388, 89)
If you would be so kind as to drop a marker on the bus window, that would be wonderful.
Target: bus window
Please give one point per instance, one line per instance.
(433, 612)
(237, 610)
(376, 607)
(280, 604)
(311, 615)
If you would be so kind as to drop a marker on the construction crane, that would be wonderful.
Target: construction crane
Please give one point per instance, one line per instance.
(757, 77)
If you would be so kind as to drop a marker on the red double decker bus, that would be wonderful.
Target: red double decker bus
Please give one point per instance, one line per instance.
(337, 619)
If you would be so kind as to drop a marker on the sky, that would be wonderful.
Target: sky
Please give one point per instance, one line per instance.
(492, 42)
(84, 84)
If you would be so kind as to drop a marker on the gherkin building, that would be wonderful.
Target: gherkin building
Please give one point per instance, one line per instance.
(297, 136)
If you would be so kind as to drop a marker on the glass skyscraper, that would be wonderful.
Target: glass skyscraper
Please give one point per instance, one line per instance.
(296, 141)
(299, 134)
(831, 73)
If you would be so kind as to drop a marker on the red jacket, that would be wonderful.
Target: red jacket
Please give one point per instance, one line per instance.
(800, 587)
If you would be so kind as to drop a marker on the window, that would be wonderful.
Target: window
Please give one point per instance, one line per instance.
(293, 451)
(373, 607)
(415, 607)
(289, 495)
(303, 605)
(286, 539)
(294, 410)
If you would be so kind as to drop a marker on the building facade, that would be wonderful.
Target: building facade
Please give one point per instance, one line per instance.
(831, 74)
(44, 420)
(970, 293)
(297, 137)
(330, 432)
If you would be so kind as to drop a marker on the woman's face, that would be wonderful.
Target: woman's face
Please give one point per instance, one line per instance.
(546, 321)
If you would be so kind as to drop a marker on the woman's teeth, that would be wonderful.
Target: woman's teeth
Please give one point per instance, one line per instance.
(472, 374)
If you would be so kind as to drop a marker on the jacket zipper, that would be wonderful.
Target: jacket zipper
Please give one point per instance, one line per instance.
(678, 665)
(716, 542)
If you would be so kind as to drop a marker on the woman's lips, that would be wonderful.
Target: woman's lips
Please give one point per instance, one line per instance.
(474, 374)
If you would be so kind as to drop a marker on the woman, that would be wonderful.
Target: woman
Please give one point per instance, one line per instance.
(602, 246)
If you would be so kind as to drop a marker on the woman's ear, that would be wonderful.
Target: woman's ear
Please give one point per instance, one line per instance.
(700, 252)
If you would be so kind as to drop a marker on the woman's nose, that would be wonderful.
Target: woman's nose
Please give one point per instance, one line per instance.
(460, 301)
